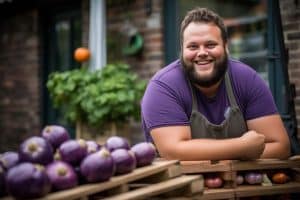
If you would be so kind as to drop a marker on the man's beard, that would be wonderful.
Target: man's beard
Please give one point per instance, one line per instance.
(218, 72)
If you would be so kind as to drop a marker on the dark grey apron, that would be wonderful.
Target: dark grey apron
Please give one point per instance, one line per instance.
(233, 126)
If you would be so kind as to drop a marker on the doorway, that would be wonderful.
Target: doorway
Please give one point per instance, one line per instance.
(61, 36)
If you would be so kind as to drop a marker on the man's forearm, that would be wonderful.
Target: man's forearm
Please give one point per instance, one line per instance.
(276, 150)
(208, 149)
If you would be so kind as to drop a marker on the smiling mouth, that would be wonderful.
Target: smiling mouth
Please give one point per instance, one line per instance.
(203, 62)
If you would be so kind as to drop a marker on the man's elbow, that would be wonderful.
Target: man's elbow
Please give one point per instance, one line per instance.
(285, 151)
(169, 153)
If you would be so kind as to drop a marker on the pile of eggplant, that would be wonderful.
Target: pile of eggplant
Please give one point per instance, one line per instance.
(52, 161)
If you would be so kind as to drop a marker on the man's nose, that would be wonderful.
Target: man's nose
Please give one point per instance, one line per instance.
(202, 52)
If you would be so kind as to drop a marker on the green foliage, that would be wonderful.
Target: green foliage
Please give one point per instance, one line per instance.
(111, 94)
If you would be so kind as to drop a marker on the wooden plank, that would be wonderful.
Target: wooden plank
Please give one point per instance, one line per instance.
(296, 157)
(89, 189)
(195, 182)
(7, 198)
(171, 172)
(191, 167)
(247, 191)
(228, 176)
(194, 197)
(264, 164)
(219, 193)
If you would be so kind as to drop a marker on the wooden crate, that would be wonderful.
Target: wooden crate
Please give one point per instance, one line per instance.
(229, 169)
(162, 177)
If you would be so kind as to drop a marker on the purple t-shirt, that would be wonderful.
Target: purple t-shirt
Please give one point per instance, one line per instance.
(168, 100)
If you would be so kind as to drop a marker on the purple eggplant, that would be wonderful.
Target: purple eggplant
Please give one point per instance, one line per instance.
(98, 166)
(9, 159)
(36, 150)
(92, 146)
(62, 175)
(116, 142)
(81, 179)
(124, 160)
(27, 180)
(55, 135)
(73, 151)
(253, 178)
(144, 152)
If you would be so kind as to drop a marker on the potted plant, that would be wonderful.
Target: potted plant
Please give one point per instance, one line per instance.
(108, 96)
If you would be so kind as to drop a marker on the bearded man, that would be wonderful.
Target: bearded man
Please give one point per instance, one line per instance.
(207, 106)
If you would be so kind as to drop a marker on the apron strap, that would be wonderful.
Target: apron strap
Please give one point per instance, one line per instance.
(230, 90)
(195, 104)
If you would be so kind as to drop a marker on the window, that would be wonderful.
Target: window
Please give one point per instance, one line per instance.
(255, 37)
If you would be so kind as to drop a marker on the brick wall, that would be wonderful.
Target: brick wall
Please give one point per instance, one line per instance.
(290, 14)
(19, 79)
(150, 27)
(151, 58)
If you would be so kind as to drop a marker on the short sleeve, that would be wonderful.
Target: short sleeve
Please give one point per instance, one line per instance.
(162, 106)
(260, 99)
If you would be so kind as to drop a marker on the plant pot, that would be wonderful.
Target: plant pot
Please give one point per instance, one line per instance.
(101, 134)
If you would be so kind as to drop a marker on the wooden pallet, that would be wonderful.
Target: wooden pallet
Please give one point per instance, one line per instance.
(228, 170)
(260, 164)
(192, 167)
(191, 184)
(221, 193)
(158, 178)
(256, 190)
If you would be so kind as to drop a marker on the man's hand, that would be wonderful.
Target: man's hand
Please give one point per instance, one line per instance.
(255, 144)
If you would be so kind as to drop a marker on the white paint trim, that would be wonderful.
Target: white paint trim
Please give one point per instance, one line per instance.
(97, 34)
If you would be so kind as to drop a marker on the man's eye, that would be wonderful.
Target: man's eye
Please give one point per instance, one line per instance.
(192, 47)
(210, 46)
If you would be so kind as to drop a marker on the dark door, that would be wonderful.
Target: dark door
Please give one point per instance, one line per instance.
(62, 34)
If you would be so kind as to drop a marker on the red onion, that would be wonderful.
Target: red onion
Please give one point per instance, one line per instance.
(61, 175)
(27, 181)
(213, 182)
(36, 150)
(55, 135)
(124, 160)
(144, 152)
(98, 166)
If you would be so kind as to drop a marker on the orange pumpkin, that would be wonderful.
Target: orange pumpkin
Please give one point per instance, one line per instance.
(81, 54)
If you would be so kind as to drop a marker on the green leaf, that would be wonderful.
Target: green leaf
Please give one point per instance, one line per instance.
(110, 94)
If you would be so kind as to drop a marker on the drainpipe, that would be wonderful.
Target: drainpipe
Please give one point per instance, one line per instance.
(97, 34)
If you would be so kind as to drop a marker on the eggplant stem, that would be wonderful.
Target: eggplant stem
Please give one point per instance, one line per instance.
(32, 147)
(61, 171)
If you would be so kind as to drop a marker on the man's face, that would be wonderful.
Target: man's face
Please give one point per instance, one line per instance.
(204, 55)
